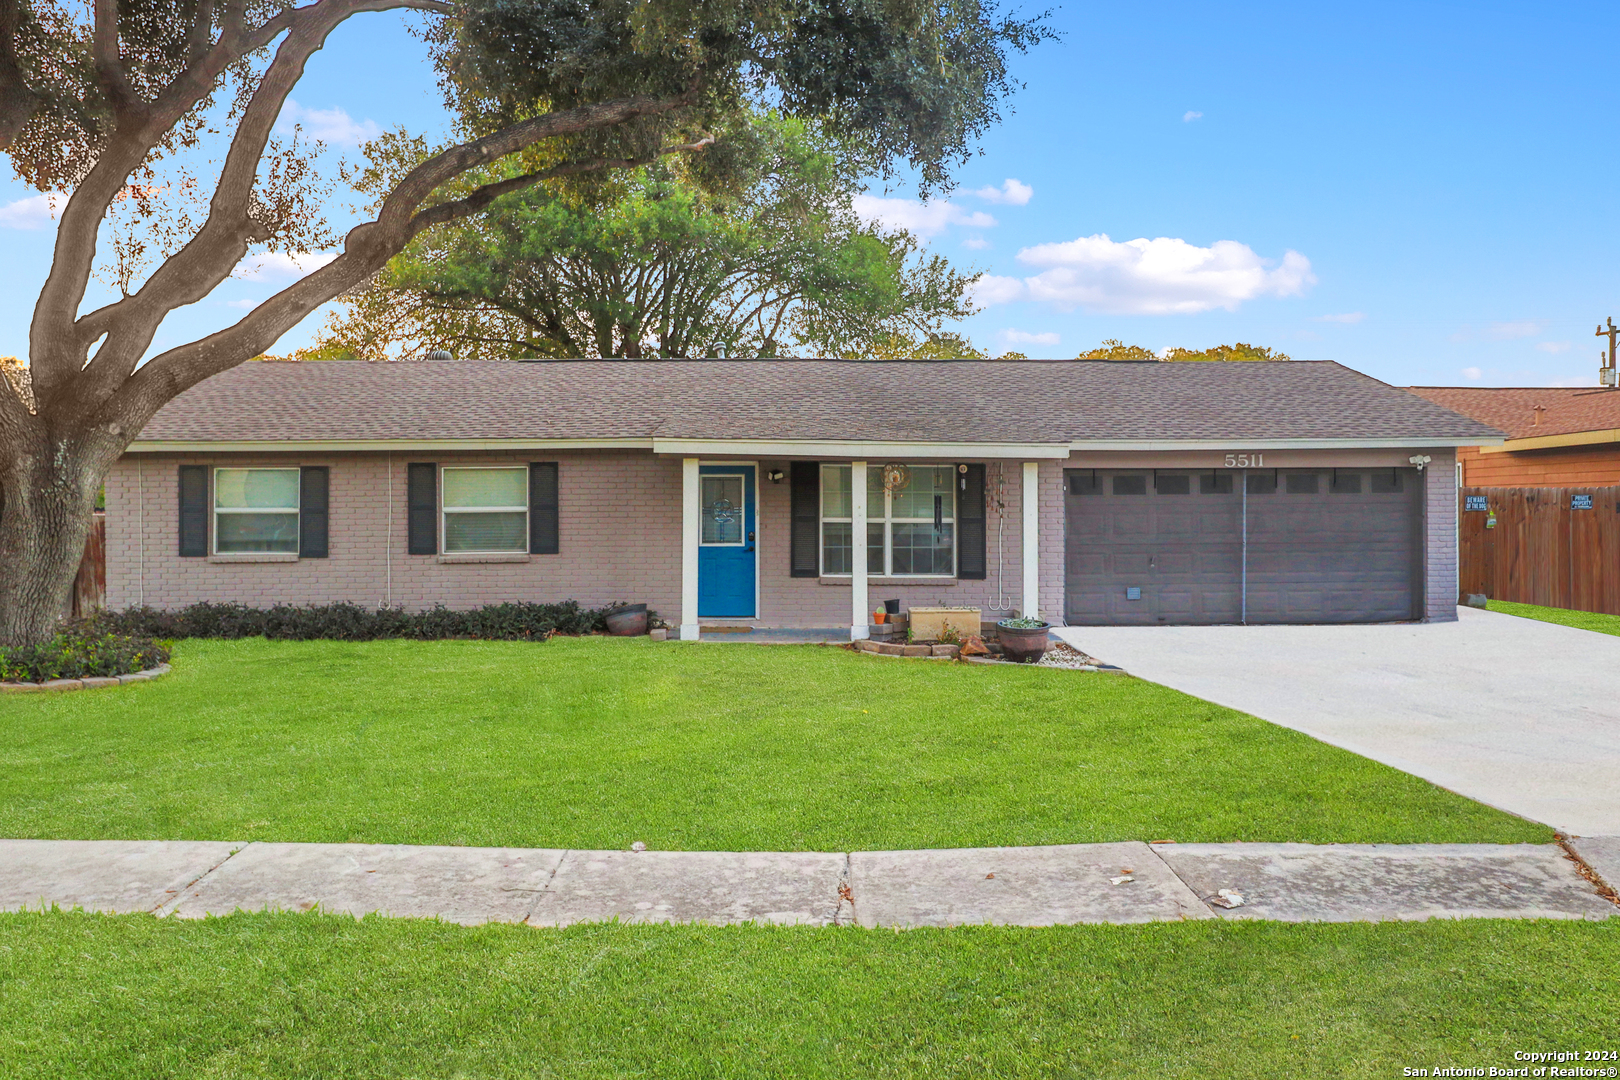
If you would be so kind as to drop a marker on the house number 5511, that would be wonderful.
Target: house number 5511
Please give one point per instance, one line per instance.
(1245, 461)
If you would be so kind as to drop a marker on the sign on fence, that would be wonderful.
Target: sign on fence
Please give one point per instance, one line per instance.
(1475, 502)
(1580, 502)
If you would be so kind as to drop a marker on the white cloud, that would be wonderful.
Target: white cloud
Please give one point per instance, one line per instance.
(1509, 331)
(1573, 382)
(1024, 337)
(1189, 116)
(1473, 374)
(925, 219)
(246, 305)
(334, 126)
(991, 289)
(279, 264)
(1164, 276)
(1349, 318)
(34, 212)
(976, 243)
(1010, 193)
(1554, 346)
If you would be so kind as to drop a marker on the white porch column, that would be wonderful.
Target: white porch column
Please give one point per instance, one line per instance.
(1032, 540)
(860, 615)
(691, 534)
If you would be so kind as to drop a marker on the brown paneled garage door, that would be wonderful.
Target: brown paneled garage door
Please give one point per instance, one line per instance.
(1227, 546)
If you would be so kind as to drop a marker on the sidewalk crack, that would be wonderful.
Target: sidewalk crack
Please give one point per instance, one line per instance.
(540, 893)
(167, 907)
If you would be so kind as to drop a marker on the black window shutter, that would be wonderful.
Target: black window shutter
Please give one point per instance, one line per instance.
(543, 530)
(970, 560)
(193, 511)
(313, 482)
(422, 495)
(805, 543)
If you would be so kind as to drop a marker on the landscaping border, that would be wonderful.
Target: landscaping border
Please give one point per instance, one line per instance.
(93, 682)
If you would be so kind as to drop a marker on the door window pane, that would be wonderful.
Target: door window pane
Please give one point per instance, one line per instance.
(722, 509)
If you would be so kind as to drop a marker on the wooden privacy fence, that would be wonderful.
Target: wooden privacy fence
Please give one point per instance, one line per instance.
(90, 587)
(1559, 547)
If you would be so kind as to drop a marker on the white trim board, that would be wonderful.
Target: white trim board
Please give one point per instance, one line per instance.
(1239, 445)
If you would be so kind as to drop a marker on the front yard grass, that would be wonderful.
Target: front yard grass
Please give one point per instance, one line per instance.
(1581, 620)
(290, 995)
(595, 743)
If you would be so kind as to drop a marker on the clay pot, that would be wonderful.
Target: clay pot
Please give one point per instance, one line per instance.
(1023, 646)
(628, 621)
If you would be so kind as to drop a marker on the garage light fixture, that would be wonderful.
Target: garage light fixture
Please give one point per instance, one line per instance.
(1420, 460)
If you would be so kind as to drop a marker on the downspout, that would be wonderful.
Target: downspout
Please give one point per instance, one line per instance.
(388, 542)
(140, 528)
(1244, 590)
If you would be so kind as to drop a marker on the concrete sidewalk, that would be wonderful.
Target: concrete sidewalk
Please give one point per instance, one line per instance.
(1040, 886)
(1515, 713)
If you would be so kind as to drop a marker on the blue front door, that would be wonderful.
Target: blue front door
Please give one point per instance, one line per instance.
(726, 559)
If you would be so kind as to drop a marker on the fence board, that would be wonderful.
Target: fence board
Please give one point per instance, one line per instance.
(90, 587)
(1542, 551)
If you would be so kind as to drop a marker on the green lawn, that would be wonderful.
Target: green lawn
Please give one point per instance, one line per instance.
(1581, 620)
(596, 742)
(305, 995)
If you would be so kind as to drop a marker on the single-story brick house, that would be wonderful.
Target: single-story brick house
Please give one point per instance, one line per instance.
(728, 491)
(1556, 437)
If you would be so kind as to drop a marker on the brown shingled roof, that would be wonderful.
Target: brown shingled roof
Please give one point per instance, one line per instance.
(935, 401)
(1513, 409)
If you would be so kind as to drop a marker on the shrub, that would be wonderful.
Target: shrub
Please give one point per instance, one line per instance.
(81, 650)
(351, 622)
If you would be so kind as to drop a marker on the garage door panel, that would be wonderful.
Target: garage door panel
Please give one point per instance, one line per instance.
(1329, 555)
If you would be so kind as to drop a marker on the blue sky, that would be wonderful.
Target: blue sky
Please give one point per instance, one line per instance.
(1426, 192)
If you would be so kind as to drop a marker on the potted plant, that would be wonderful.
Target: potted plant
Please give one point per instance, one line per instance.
(627, 620)
(1023, 641)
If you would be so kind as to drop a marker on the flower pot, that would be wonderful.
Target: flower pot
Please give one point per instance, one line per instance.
(1023, 646)
(628, 621)
(878, 616)
(891, 607)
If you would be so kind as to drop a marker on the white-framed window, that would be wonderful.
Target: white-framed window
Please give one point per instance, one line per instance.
(485, 509)
(255, 510)
(910, 532)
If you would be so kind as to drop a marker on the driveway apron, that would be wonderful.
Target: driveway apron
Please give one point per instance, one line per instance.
(1520, 714)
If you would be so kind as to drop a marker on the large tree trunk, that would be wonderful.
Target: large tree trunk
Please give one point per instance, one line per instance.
(47, 497)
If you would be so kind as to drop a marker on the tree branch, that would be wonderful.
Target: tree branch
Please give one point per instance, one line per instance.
(109, 61)
(367, 247)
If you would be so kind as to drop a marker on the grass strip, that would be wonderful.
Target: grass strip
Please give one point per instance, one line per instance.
(1581, 620)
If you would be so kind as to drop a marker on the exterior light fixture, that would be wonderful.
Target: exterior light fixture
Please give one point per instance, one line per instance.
(774, 476)
(1420, 460)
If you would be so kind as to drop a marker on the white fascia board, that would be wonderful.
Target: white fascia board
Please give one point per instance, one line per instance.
(1080, 445)
(781, 448)
(314, 446)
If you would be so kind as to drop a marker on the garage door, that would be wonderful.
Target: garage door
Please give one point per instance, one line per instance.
(1263, 546)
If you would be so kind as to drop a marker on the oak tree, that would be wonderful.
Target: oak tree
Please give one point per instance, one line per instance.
(99, 97)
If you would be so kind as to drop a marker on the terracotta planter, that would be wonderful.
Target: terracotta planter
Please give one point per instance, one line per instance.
(628, 621)
(1023, 646)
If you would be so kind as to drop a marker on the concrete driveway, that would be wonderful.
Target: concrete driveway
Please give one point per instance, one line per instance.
(1520, 714)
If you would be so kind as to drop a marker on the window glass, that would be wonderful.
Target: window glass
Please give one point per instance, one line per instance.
(722, 509)
(1172, 484)
(1302, 483)
(274, 489)
(1262, 483)
(1385, 481)
(486, 531)
(835, 501)
(919, 549)
(1214, 483)
(1130, 485)
(916, 499)
(486, 510)
(507, 488)
(256, 510)
(891, 549)
(1346, 483)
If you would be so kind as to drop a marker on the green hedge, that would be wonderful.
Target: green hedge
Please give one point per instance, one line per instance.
(351, 622)
(81, 650)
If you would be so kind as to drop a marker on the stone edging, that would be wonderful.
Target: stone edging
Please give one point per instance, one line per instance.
(95, 682)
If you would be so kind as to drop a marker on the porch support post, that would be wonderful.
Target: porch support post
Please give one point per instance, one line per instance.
(1032, 540)
(691, 533)
(860, 614)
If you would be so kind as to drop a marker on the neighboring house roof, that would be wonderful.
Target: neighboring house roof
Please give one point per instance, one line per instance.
(1514, 409)
(813, 400)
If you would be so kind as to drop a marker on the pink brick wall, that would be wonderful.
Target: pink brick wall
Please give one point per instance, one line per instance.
(619, 521)
(620, 539)
(1440, 522)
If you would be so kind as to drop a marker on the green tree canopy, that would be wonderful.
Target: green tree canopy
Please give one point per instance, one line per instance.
(773, 262)
(1115, 349)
